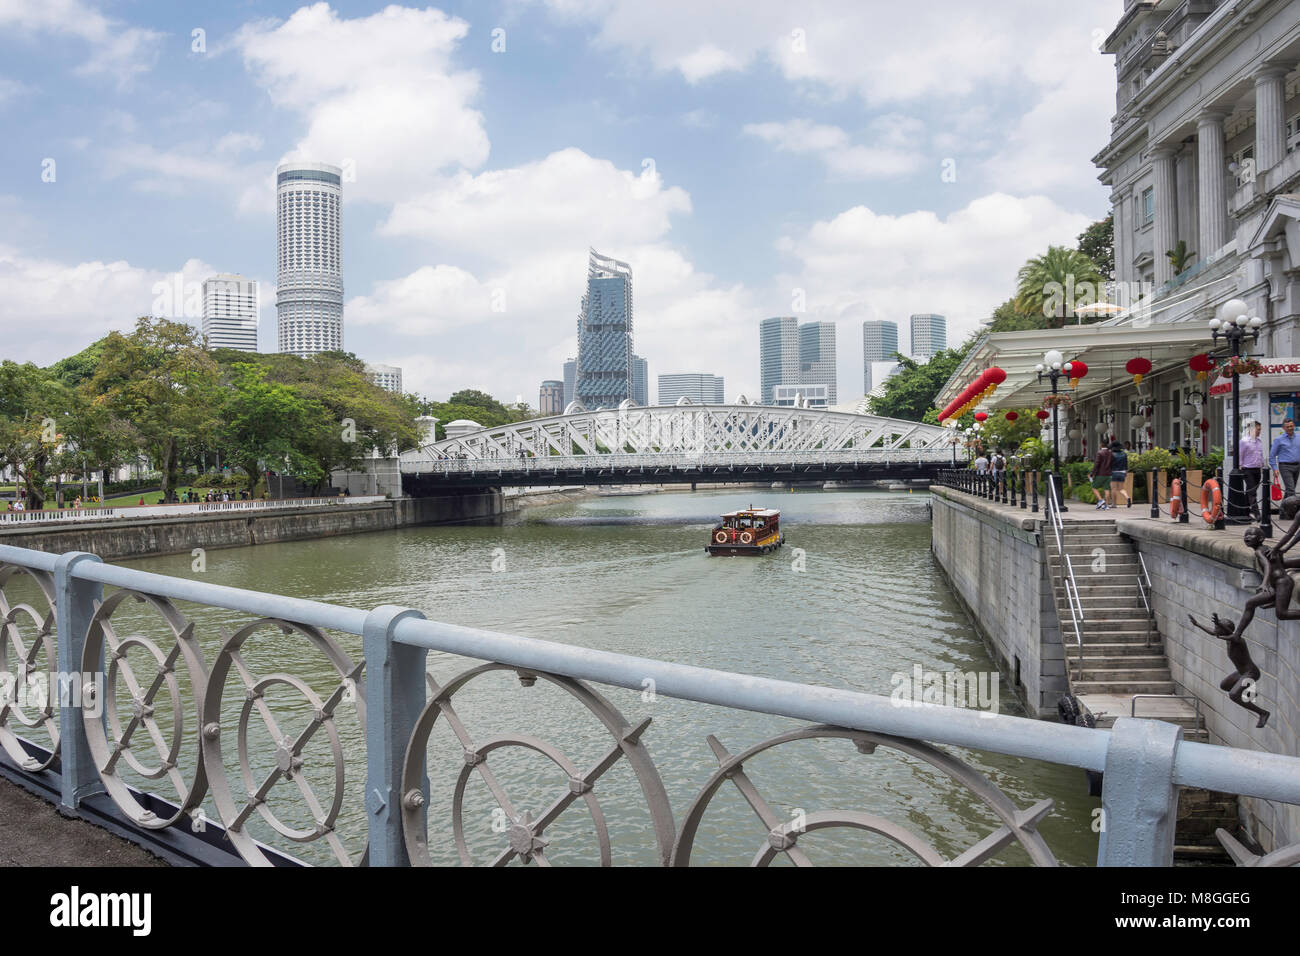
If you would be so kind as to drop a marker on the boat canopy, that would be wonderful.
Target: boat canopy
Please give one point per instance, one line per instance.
(753, 513)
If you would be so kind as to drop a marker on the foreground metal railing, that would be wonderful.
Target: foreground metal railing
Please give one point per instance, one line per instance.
(1074, 604)
(205, 744)
(673, 460)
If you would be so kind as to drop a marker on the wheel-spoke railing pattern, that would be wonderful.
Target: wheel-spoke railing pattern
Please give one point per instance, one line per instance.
(267, 747)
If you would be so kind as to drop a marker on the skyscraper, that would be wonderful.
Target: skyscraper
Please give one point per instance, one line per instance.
(817, 357)
(309, 283)
(230, 312)
(570, 379)
(778, 347)
(550, 400)
(387, 377)
(702, 389)
(929, 335)
(879, 344)
(640, 380)
(605, 369)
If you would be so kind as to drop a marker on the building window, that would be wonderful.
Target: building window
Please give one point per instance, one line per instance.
(1148, 205)
(1240, 158)
(1293, 133)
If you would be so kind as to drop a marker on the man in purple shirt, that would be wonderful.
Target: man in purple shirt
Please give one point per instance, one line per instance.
(1250, 459)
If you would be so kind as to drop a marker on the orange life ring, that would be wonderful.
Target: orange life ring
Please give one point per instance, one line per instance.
(746, 537)
(1210, 491)
(720, 537)
(1175, 498)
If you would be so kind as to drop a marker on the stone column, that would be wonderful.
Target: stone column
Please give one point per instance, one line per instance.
(1212, 206)
(1165, 228)
(1270, 117)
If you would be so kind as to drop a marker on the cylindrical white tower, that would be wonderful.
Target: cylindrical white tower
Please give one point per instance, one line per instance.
(309, 288)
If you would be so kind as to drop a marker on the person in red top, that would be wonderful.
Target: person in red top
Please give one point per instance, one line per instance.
(1101, 469)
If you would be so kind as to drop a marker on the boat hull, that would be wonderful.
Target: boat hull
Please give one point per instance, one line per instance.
(744, 550)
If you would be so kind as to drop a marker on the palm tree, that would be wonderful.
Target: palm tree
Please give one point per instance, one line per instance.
(1054, 283)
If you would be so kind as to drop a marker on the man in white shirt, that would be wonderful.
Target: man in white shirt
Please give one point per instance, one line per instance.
(981, 465)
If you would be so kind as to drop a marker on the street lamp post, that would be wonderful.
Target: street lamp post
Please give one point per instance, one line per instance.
(1052, 367)
(1234, 324)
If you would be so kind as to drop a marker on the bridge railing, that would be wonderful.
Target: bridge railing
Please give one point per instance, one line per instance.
(187, 714)
(674, 460)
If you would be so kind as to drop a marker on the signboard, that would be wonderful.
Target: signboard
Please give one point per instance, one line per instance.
(1279, 373)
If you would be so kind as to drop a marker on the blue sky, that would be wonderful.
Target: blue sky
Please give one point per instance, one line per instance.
(741, 156)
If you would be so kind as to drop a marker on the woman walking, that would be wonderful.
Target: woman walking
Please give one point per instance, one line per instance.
(1101, 469)
(1118, 474)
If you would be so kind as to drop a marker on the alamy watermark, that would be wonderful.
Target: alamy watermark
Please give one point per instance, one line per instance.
(921, 688)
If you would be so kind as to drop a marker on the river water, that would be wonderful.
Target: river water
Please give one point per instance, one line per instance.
(854, 600)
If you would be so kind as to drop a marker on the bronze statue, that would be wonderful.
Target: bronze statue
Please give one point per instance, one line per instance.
(1247, 672)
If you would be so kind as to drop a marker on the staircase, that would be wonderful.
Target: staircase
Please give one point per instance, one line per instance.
(1118, 652)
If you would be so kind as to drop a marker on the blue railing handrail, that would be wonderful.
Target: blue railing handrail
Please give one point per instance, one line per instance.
(1253, 773)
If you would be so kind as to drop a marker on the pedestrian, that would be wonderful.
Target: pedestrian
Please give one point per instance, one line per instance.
(1101, 471)
(981, 465)
(1284, 457)
(142, 499)
(1250, 460)
(1118, 474)
(998, 465)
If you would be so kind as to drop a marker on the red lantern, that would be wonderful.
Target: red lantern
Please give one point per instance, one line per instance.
(1201, 364)
(1012, 416)
(981, 416)
(1205, 424)
(1137, 367)
(1077, 371)
(996, 376)
(1043, 414)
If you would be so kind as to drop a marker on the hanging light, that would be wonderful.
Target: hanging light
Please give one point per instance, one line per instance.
(1137, 367)
(1012, 416)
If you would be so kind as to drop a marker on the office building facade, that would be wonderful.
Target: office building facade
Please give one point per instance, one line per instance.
(640, 380)
(778, 354)
(817, 357)
(802, 396)
(604, 371)
(387, 377)
(570, 379)
(309, 278)
(230, 312)
(700, 388)
(550, 400)
(929, 335)
(879, 344)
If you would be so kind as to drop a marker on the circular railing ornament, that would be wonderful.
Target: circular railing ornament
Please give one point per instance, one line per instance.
(287, 761)
(783, 835)
(112, 740)
(525, 837)
(25, 684)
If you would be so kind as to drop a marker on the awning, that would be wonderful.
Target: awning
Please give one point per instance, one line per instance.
(1104, 349)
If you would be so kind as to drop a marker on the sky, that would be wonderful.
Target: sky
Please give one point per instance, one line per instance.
(837, 161)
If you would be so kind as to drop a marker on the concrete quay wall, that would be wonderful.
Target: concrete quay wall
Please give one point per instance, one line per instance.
(997, 566)
(1200, 572)
(118, 538)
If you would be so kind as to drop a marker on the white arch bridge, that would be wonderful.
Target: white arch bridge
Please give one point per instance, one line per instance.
(667, 444)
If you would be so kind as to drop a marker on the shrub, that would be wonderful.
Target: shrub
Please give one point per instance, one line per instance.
(1158, 458)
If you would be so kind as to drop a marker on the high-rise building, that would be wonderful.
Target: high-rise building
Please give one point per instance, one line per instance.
(550, 401)
(802, 396)
(929, 335)
(778, 348)
(230, 312)
(879, 344)
(309, 283)
(387, 377)
(700, 388)
(605, 369)
(817, 356)
(640, 381)
(570, 379)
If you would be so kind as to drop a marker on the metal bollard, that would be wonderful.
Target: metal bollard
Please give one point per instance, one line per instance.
(1153, 492)
(1034, 480)
(1220, 523)
(1184, 515)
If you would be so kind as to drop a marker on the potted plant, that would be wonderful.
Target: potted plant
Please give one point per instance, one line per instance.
(1159, 459)
(1191, 466)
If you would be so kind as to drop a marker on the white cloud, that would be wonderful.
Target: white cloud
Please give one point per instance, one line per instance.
(566, 200)
(834, 147)
(84, 301)
(865, 264)
(380, 91)
(115, 49)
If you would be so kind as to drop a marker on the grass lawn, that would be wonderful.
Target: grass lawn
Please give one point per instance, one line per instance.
(116, 501)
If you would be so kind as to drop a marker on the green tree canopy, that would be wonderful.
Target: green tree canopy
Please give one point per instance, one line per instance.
(1097, 242)
(1057, 282)
(910, 393)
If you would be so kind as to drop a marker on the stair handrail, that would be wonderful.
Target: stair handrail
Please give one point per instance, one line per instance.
(1068, 583)
(1132, 710)
(1145, 592)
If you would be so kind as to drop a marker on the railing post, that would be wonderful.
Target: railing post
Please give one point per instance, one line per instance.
(1153, 492)
(74, 607)
(395, 695)
(1183, 516)
(1138, 798)
(1034, 487)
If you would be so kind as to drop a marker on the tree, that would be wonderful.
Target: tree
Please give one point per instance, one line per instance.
(95, 439)
(31, 404)
(161, 381)
(1054, 283)
(1179, 256)
(476, 407)
(472, 396)
(1097, 242)
(910, 393)
(263, 421)
(1007, 318)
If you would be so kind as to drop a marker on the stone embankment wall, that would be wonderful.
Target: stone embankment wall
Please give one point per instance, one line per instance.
(1196, 572)
(127, 538)
(998, 569)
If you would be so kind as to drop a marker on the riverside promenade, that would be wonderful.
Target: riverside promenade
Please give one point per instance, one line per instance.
(1118, 638)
